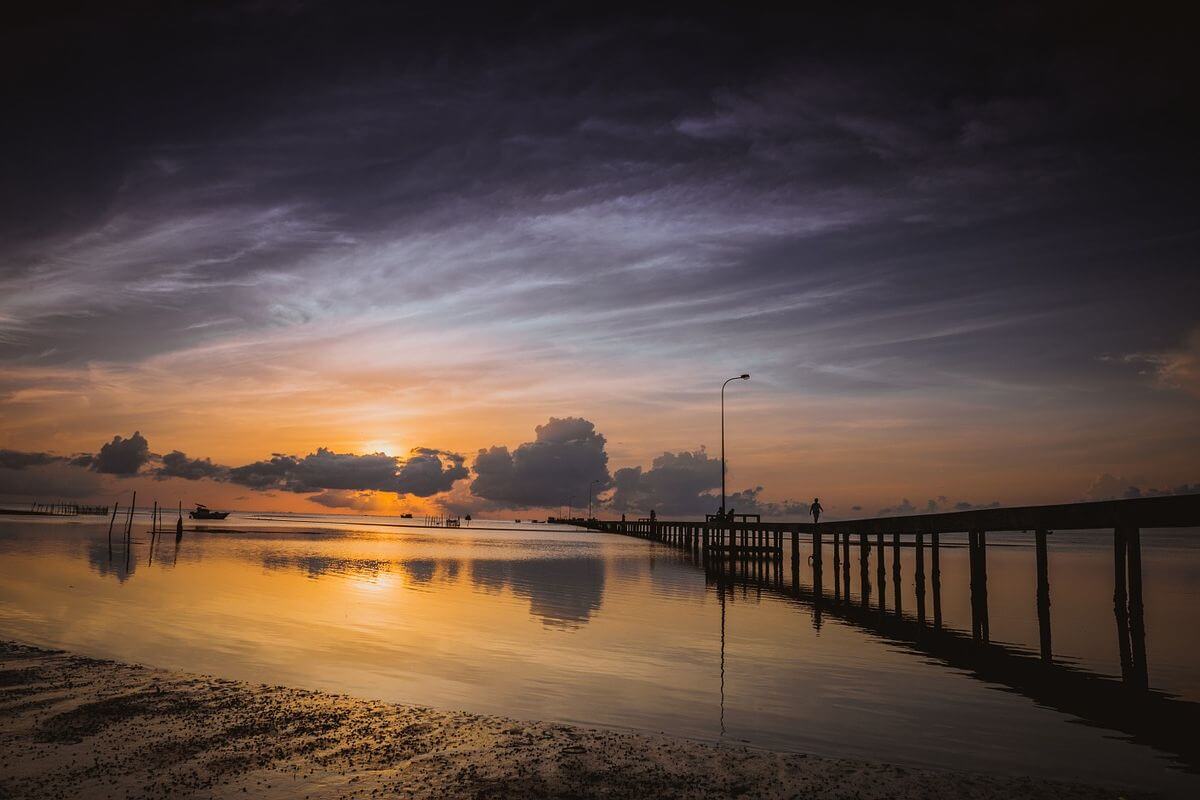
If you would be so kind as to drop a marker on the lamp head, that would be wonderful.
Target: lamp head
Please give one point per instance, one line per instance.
(745, 376)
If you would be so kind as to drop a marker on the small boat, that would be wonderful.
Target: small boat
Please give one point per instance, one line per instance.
(406, 516)
(204, 512)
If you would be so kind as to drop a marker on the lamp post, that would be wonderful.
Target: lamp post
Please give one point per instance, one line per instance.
(743, 377)
(590, 485)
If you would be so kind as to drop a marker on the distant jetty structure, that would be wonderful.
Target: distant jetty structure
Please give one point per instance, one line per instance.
(60, 510)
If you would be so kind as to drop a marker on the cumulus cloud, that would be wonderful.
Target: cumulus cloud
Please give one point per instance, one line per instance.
(176, 464)
(16, 459)
(941, 505)
(122, 457)
(428, 471)
(676, 483)
(323, 469)
(689, 482)
(1119, 487)
(750, 501)
(564, 458)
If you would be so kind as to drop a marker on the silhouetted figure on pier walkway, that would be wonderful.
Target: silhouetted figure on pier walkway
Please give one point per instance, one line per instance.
(815, 509)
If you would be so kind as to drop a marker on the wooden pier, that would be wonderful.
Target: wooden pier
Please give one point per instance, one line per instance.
(749, 552)
(746, 547)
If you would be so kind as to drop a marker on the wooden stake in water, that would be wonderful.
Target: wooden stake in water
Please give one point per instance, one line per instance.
(110, 524)
(129, 519)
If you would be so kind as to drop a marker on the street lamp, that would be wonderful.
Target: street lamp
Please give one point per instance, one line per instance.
(590, 485)
(743, 377)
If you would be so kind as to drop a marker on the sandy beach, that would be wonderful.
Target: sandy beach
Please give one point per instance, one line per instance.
(80, 727)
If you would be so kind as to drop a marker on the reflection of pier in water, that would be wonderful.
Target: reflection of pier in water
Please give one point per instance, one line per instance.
(751, 553)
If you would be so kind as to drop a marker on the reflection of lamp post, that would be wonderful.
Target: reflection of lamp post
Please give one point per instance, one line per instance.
(744, 377)
(590, 485)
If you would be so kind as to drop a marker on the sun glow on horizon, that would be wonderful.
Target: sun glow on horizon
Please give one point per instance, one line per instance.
(386, 446)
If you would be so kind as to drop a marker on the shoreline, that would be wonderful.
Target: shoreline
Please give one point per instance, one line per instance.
(72, 726)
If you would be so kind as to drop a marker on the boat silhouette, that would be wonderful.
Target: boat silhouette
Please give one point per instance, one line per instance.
(204, 512)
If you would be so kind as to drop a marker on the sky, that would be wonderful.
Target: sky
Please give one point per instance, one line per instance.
(305, 256)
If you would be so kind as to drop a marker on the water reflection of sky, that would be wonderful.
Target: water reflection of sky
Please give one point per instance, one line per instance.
(532, 622)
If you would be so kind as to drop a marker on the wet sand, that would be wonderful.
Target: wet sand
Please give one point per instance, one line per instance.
(80, 727)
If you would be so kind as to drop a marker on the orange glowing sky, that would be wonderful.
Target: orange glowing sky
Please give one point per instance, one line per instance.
(959, 273)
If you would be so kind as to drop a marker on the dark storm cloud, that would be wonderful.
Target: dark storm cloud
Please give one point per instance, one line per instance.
(428, 471)
(16, 459)
(676, 483)
(561, 463)
(122, 457)
(343, 477)
(176, 464)
(269, 474)
(689, 483)
(323, 469)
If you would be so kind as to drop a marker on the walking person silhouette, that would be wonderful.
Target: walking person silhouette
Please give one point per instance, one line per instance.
(815, 509)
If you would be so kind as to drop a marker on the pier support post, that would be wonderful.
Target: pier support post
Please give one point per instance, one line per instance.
(983, 587)
(864, 569)
(919, 576)
(1137, 622)
(935, 568)
(837, 567)
(1043, 595)
(896, 574)
(816, 566)
(979, 602)
(795, 559)
(846, 566)
(880, 572)
(1121, 603)
(1128, 606)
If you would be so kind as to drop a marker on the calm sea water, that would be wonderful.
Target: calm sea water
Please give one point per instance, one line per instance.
(542, 622)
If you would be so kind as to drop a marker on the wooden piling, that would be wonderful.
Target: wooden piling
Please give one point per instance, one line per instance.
(983, 593)
(816, 566)
(110, 527)
(973, 555)
(880, 572)
(846, 566)
(899, 607)
(935, 568)
(1137, 624)
(919, 577)
(837, 567)
(1043, 595)
(864, 569)
(129, 519)
(795, 558)
(1120, 602)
